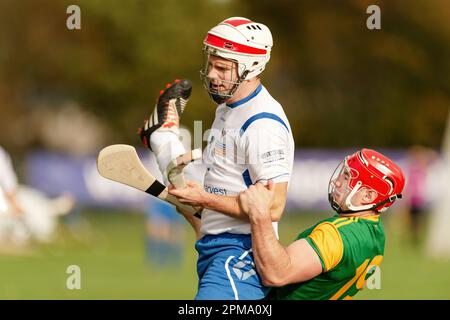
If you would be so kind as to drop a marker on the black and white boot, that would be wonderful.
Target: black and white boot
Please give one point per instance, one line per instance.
(169, 107)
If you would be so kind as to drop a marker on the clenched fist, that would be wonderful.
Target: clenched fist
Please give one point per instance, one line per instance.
(257, 200)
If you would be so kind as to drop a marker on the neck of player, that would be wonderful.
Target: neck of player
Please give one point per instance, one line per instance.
(359, 214)
(246, 88)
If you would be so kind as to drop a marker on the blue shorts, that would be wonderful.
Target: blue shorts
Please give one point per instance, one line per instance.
(226, 269)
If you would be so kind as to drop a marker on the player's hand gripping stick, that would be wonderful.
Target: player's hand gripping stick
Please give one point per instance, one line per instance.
(176, 166)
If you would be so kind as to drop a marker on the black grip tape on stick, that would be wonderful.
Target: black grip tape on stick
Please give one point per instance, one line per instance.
(155, 188)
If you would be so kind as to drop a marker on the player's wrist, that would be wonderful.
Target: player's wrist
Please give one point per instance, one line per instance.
(207, 200)
(259, 216)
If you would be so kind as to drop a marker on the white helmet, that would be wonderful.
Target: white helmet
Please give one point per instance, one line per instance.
(243, 41)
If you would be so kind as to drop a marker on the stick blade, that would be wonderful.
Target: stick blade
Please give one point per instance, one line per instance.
(121, 163)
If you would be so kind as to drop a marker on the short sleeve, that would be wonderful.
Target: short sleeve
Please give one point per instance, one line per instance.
(327, 242)
(267, 150)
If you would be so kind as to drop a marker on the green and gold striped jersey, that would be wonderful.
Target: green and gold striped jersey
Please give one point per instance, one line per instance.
(349, 248)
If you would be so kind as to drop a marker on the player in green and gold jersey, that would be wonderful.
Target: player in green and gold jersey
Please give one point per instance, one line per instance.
(333, 258)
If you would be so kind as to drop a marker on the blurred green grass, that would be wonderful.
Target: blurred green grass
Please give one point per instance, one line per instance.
(110, 250)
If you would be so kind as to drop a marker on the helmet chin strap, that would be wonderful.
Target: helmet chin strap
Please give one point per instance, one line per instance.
(217, 98)
(221, 98)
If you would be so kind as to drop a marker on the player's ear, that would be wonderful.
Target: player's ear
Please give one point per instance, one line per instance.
(369, 195)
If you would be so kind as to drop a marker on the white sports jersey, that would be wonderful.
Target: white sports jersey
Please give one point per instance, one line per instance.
(250, 141)
(8, 178)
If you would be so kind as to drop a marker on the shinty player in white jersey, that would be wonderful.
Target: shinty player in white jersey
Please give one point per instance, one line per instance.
(250, 141)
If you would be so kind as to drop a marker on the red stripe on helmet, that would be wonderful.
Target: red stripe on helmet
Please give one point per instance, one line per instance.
(236, 22)
(232, 46)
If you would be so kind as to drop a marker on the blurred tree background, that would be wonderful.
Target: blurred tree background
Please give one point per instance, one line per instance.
(341, 84)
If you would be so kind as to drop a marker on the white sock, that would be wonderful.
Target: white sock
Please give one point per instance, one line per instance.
(166, 146)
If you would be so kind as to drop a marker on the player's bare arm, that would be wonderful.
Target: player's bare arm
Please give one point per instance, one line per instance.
(277, 265)
(195, 195)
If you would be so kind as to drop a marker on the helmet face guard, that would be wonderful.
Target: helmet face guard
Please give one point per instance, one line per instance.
(365, 169)
(339, 186)
(220, 90)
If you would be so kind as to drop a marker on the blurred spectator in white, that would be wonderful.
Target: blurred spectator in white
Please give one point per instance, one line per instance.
(11, 219)
(28, 214)
(3, 205)
(41, 212)
(8, 183)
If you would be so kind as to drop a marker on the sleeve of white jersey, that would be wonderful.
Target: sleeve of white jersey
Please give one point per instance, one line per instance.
(267, 149)
(8, 181)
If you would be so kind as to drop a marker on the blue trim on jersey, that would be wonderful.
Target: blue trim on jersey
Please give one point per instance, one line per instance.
(247, 179)
(262, 115)
(246, 99)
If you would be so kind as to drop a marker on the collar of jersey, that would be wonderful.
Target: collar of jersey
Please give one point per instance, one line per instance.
(246, 99)
(372, 218)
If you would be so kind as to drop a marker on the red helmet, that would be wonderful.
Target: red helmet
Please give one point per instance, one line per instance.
(368, 169)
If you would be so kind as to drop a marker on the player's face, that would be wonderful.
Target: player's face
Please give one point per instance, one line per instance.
(341, 189)
(222, 74)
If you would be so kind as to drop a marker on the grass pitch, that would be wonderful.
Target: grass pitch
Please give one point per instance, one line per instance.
(109, 248)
